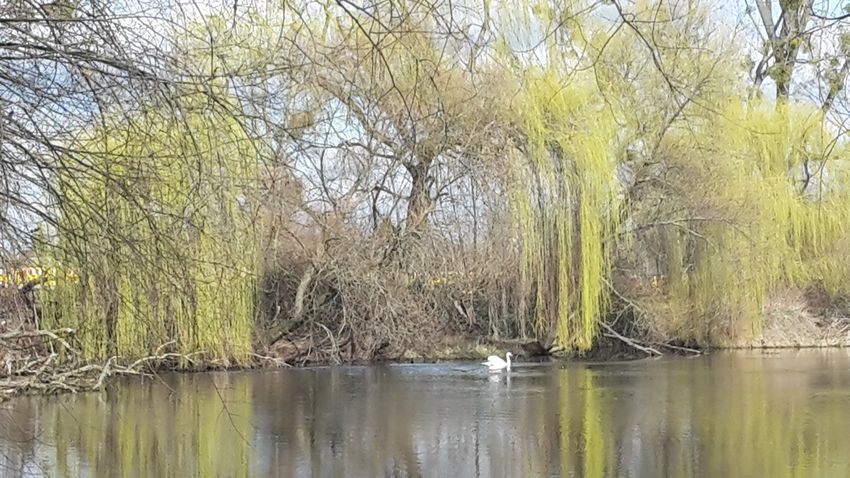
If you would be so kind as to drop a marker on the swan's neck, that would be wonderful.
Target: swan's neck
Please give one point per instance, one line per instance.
(509, 361)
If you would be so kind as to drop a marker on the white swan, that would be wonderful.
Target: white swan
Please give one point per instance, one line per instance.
(494, 362)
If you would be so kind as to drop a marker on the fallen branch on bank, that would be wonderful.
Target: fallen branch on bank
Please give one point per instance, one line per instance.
(611, 333)
(45, 375)
(679, 348)
(13, 338)
(271, 361)
(50, 372)
(634, 343)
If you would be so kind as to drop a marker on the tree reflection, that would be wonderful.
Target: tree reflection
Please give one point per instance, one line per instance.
(724, 415)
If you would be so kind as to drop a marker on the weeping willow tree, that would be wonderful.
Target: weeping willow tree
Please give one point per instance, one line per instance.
(566, 204)
(768, 209)
(746, 199)
(155, 223)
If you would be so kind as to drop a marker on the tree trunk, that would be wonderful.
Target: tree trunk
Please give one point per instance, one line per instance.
(420, 199)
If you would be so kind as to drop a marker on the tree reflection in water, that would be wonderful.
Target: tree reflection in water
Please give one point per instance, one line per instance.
(730, 414)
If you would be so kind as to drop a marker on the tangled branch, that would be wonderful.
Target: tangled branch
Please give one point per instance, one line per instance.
(61, 369)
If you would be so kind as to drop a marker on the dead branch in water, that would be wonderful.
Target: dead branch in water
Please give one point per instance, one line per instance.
(49, 373)
(51, 377)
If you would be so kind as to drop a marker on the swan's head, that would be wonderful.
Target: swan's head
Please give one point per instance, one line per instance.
(509, 354)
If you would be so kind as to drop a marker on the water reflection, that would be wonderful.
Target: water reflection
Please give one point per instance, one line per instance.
(742, 414)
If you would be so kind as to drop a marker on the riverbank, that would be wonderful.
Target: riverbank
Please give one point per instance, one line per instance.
(43, 361)
(804, 319)
(48, 366)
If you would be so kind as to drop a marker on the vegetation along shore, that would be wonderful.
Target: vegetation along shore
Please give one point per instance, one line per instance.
(308, 181)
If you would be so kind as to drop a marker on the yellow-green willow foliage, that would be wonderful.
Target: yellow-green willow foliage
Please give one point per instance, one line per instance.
(566, 204)
(754, 225)
(154, 222)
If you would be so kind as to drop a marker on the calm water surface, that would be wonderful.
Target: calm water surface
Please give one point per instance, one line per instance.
(729, 414)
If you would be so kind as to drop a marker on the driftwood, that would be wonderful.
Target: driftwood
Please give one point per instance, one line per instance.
(37, 370)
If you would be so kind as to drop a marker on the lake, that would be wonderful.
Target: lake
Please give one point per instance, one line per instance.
(748, 414)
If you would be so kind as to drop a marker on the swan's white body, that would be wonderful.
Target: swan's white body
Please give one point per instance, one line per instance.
(494, 362)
